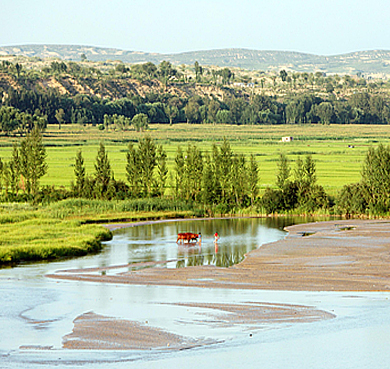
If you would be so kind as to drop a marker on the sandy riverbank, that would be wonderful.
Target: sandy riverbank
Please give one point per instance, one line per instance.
(346, 255)
(96, 332)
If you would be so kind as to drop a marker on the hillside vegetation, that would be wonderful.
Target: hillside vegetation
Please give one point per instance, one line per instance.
(39, 91)
(368, 62)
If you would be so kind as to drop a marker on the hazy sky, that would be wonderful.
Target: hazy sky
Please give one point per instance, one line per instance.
(323, 27)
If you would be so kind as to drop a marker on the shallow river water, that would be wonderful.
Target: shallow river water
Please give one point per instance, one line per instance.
(36, 312)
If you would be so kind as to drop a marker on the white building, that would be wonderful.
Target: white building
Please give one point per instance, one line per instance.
(287, 139)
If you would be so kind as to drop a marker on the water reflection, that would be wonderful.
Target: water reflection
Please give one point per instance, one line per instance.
(157, 242)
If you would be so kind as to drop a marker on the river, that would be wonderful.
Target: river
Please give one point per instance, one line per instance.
(37, 312)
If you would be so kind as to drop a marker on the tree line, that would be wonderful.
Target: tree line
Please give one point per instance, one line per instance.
(21, 110)
(220, 180)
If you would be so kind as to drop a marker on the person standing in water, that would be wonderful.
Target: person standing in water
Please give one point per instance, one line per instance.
(216, 237)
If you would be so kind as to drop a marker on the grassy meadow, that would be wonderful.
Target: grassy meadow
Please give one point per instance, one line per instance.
(66, 229)
(337, 163)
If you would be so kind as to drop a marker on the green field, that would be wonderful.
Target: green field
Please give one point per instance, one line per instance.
(337, 163)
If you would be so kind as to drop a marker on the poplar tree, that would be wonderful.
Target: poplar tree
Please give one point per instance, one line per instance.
(162, 169)
(133, 171)
(179, 173)
(224, 169)
(208, 182)
(298, 171)
(253, 179)
(102, 172)
(283, 171)
(309, 170)
(79, 171)
(193, 172)
(33, 164)
(239, 181)
(14, 170)
(1, 172)
(147, 154)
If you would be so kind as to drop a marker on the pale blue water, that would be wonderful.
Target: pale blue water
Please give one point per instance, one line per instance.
(38, 311)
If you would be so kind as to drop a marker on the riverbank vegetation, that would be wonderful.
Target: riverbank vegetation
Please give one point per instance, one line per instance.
(80, 146)
(216, 178)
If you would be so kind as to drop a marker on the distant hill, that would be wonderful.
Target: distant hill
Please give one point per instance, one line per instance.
(366, 62)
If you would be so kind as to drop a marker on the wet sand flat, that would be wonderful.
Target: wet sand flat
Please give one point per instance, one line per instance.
(97, 332)
(347, 255)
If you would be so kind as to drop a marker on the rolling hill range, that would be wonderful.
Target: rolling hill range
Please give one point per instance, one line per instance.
(366, 62)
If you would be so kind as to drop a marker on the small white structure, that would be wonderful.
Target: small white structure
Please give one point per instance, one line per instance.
(287, 139)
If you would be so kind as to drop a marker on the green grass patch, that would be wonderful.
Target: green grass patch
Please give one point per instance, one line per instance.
(44, 239)
(70, 228)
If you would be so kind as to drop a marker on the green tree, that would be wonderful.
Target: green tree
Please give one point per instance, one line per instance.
(223, 116)
(352, 199)
(133, 171)
(193, 169)
(103, 172)
(60, 116)
(1, 172)
(79, 172)
(171, 112)
(198, 71)
(14, 170)
(325, 112)
(149, 69)
(223, 164)
(140, 122)
(18, 68)
(212, 111)
(283, 75)
(209, 188)
(253, 179)
(33, 164)
(192, 110)
(283, 173)
(309, 171)
(295, 111)
(237, 107)
(179, 174)
(376, 178)
(226, 75)
(147, 154)
(239, 179)
(166, 71)
(162, 169)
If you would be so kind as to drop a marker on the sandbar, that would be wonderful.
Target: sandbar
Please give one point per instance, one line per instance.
(343, 255)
